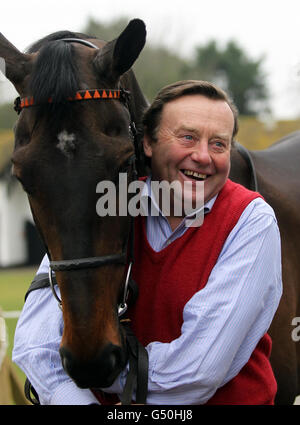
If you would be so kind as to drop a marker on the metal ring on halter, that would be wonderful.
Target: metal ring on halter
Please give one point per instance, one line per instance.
(123, 306)
(53, 290)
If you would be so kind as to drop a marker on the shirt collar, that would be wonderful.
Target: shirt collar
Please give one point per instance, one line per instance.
(147, 199)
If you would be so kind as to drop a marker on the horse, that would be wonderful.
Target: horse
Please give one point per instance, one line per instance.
(80, 109)
(75, 129)
(275, 173)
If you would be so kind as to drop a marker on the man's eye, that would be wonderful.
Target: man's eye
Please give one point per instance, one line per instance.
(188, 137)
(218, 144)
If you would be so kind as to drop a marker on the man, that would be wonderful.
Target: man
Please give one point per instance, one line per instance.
(211, 291)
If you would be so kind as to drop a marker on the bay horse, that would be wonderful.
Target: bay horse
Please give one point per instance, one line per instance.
(80, 107)
(66, 141)
(275, 172)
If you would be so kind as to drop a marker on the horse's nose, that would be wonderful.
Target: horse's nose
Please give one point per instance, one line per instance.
(99, 372)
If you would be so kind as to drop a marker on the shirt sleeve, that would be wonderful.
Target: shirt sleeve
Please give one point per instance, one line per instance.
(222, 323)
(36, 344)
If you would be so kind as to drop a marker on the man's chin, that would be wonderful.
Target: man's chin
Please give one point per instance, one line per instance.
(190, 199)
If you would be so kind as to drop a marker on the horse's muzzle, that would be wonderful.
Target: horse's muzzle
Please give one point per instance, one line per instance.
(99, 372)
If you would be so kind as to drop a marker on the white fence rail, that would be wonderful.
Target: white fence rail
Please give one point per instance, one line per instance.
(13, 314)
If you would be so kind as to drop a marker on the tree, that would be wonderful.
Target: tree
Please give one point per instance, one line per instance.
(156, 66)
(230, 68)
(239, 75)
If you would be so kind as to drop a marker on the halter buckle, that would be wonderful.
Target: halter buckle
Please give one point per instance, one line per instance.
(122, 307)
(53, 289)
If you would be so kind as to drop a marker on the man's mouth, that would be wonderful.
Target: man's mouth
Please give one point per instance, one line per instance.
(195, 175)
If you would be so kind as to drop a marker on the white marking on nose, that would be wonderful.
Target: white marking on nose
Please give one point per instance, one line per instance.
(66, 142)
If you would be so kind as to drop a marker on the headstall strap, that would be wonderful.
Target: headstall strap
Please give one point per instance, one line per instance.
(80, 41)
(91, 94)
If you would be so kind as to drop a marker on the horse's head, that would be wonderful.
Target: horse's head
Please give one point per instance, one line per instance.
(63, 149)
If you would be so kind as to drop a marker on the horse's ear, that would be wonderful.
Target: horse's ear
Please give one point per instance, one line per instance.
(118, 56)
(16, 64)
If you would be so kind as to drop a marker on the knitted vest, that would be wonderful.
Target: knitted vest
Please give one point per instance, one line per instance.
(169, 278)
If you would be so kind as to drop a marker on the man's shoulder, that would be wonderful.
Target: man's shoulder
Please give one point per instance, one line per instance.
(257, 204)
(240, 190)
(235, 197)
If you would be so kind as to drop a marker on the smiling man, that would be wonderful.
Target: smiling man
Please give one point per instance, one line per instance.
(193, 142)
(207, 294)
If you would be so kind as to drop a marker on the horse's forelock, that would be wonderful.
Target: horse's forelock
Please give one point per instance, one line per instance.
(54, 74)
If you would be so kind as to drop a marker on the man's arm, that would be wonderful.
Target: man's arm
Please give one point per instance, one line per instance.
(223, 322)
(37, 338)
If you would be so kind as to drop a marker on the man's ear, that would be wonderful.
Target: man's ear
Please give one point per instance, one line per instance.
(147, 144)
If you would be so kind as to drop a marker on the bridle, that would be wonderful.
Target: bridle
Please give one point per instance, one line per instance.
(92, 262)
(137, 354)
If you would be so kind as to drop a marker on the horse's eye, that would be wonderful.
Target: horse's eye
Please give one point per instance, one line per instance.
(113, 130)
(126, 167)
(25, 186)
(22, 135)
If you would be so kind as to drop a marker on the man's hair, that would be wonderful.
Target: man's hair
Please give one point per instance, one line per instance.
(152, 116)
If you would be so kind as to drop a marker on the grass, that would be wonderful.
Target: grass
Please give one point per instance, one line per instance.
(13, 286)
(6, 147)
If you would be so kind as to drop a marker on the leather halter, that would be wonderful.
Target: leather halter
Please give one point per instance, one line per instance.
(91, 262)
(138, 356)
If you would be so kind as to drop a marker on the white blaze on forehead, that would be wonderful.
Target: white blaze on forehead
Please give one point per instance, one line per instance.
(66, 142)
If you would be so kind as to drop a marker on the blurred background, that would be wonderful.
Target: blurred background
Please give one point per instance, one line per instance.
(250, 49)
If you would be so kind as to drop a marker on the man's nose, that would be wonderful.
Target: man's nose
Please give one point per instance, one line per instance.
(201, 153)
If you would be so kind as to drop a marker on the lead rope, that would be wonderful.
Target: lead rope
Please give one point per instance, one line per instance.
(137, 377)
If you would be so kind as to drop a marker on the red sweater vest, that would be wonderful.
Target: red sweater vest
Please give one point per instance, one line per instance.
(169, 278)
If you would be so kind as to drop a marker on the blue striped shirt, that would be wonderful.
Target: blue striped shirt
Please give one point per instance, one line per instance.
(222, 323)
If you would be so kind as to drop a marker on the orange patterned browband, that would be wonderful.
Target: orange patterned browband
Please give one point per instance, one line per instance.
(79, 95)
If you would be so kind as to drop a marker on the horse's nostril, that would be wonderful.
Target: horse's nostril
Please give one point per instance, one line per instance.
(100, 371)
(113, 360)
(67, 359)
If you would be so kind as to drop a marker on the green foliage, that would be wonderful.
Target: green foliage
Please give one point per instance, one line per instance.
(13, 286)
(156, 66)
(230, 68)
(235, 72)
(8, 116)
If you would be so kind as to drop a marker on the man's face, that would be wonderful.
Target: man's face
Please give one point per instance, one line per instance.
(194, 141)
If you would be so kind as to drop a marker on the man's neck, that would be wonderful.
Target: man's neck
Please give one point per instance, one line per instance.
(174, 222)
